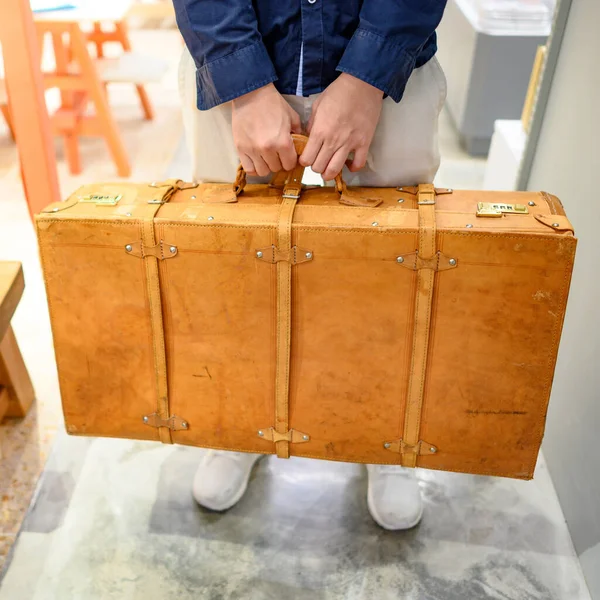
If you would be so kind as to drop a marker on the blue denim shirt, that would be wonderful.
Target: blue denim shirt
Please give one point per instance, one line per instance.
(241, 45)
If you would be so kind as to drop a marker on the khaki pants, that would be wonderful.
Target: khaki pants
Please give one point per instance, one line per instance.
(404, 150)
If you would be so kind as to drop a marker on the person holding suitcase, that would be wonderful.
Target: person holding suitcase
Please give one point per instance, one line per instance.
(360, 76)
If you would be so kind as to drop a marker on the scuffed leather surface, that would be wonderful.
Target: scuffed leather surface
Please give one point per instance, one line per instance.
(495, 323)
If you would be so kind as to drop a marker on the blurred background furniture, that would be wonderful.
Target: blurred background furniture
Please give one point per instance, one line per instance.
(510, 137)
(82, 78)
(488, 65)
(28, 115)
(16, 389)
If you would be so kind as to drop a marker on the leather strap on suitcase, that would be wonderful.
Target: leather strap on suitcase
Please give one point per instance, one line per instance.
(411, 446)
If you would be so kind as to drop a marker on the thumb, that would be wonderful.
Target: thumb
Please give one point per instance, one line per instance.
(296, 123)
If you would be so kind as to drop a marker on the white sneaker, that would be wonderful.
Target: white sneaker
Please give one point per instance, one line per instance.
(394, 498)
(222, 478)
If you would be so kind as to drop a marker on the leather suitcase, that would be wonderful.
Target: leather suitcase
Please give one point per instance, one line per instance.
(406, 326)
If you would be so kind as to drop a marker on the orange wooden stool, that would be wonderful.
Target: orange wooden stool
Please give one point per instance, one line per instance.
(76, 77)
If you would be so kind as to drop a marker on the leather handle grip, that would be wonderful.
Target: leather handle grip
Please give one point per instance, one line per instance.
(300, 142)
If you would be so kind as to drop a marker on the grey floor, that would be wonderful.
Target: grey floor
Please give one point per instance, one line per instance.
(116, 519)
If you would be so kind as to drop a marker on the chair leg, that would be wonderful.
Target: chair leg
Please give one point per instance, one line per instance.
(123, 36)
(7, 117)
(97, 95)
(72, 153)
(14, 377)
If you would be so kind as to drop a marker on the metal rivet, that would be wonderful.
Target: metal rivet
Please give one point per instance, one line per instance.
(172, 249)
(433, 450)
(469, 225)
(306, 438)
(211, 218)
(400, 200)
(145, 419)
(193, 197)
(308, 255)
(128, 214)
(184, 424)
(259, 254)
(55, 209)
(400, 189)
(400, 259)
(128, 248)
(374, 223)
(261, 432)
(531, 203)
(452, 261)
(555, 224)
(387, 445)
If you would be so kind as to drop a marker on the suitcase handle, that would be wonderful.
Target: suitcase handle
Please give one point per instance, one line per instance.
(347, 196)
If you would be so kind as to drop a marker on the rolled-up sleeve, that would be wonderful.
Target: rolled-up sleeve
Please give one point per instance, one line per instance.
(390, 36)
(224, 41)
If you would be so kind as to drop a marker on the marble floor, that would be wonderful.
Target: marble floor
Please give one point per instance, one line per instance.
(116, 519)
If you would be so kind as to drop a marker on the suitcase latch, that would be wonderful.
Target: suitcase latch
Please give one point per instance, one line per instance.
(493, 209)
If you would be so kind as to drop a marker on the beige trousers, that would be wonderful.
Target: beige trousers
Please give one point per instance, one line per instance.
(404, 149)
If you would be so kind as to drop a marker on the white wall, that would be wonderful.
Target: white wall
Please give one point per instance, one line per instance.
(567, 163)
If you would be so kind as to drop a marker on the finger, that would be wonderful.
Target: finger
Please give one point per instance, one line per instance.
(325, 155)
(359, 161)
(311, 120)
(313, 112)
(272, 159)
(247, 164)
(296, 122)
(312, 149)
(261, 167)
(287, 155)
(335, 164)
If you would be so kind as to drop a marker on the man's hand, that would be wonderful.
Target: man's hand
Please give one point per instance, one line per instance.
(262, 123)
(343, 120)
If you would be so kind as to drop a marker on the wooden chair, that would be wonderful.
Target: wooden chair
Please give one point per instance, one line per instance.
(82, 80)
(16, 390)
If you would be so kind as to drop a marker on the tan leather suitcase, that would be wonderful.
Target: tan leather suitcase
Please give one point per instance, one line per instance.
(406, 326)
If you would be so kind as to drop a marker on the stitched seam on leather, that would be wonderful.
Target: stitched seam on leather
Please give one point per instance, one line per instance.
(299, 227)
(408, 359)
(549, 202)
(431, 275)
(43, 263)
(167, 318)
(344, 458)
(551, 366)
(407, 421)
(278, 369)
